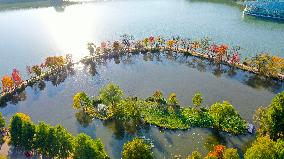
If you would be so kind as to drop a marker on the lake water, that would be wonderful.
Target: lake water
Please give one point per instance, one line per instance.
(28, 35)
(141, 75)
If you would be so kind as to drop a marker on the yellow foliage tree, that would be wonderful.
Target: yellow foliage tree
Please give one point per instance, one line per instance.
(7, 83)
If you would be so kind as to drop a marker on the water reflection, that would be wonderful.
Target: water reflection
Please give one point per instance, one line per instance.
(140, 75)
(13, 99)
(59, 5)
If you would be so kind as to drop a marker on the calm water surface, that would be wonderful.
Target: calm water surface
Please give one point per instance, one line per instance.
(141, 75)
(27, 36)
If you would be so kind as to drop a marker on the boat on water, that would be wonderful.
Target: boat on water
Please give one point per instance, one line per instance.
(269, 9)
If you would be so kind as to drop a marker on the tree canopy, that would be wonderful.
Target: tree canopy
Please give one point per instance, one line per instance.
(136, 149)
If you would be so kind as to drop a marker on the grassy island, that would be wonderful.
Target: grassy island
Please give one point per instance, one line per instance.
(156, 110)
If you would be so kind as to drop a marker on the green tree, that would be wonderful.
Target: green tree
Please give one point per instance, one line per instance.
(173, 99)
(226, 118)
(262, 148)
(280, 148)
(128, 110)
(2, 121)
(64, 142)
(194, 155)
(111, 94)
(270, 120)
(231, 153)
(197, 99)
(27, 135)
(276, 117)
(87, 148)
(16, 129)
(41, 141)
(261, 121)
(158, 95)
(53, 145)
(136, 149)
(81, 100)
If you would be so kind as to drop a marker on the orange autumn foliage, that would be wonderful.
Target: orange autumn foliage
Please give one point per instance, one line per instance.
(7, 83)
(217, 152)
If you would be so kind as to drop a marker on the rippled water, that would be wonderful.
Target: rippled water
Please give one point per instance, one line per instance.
(28, 35)
(141, 75)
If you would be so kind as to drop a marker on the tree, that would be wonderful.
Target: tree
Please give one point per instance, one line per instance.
(64, 142)
(261, 121)
(226, 118)
(7, 83)
(41, 140)
(194, 155)
(27, 136)
(91, 47)
(270, 119)
(262, 148)
(158, 95)
(231, 153)
(81, 100)
(16, 77)
(87, 148)
(52, 143)
(275, 116)
(136, 149)
(173, 99)
(36, 69)
(221, 152)
(111, 94)
(2, 121)
(16, 129)
(126, 40)
(128, 110)
(197, 99)
(55, 62)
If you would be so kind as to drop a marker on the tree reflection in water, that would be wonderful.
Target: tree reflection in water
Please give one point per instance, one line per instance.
(84, 119)
(13, 98)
